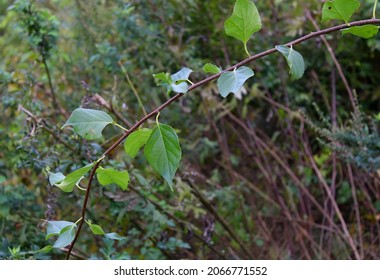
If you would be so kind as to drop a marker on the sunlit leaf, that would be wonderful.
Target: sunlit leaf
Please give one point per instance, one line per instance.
(233, 81)
(45, 249)
(88, 123)
(339, 9)
(110, 176)
(163, 151)
(211, 68)
(69, 182)
(295, 61)
(95, 229)
(365, 31)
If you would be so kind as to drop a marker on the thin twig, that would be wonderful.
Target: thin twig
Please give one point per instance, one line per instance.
(191, 88)
(336, 62)
(53, 95)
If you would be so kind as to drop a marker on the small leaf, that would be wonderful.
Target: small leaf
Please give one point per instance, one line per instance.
(233, 81)
(163, 77)
(211, 68)
(365, 31)
(182, 87)
(163, 151)
(181, 75)
(89, 123)
(67, 184)
(110, 176)
(115, 236)
(45, 249)
(55, 227)
(55, 178)
(295, 61)
(339, 9)
(66, 236)
(244, 21)
(96, 229)
(176, 82)
(136, 140)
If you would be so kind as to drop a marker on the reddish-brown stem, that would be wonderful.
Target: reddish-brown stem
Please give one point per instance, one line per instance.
(191, 88)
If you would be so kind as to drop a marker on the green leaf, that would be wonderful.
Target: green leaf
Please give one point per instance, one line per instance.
(365, 31)
(163, 151)
(211, 68)
(176, 82)
(88, 123)
(45, 249)
(110, 176)
(115, 236)
(233, 81)
(66, 236)
(136, 140)
(96, 229)
(164, 80)
(295, 61)
(244, 21)
(55, 227)
(68, 183)
(339, 9)
(163, 77)
(56, 177)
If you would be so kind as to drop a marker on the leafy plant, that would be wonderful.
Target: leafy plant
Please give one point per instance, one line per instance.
(161, 145)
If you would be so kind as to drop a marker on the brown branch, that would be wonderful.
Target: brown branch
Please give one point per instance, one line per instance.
(191, 88)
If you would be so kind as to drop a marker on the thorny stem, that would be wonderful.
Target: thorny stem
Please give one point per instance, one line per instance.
(197, 85)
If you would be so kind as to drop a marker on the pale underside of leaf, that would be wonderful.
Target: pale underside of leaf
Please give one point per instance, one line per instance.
(233, 81)
(88, 123)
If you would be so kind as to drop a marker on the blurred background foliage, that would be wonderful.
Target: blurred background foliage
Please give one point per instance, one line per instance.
(287, 171)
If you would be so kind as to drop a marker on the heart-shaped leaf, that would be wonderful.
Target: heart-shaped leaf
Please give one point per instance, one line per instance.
(211, 68)
(163, 151)
(88, 123)
(66, 236)
(295, 61)
(136, 140)
(339, 9)
(68, 183)
(110, 176)
(244, 21)
(233, 81)
(365, 31)
(55, 227)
